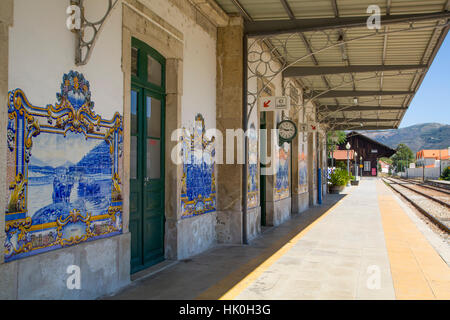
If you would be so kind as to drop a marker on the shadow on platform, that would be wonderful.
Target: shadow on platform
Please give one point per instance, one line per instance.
(210, 275)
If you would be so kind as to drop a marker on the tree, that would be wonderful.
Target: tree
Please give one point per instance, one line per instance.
(341, 165)
(385, 160)
(335, 138)
(402, 158)
(446, 174)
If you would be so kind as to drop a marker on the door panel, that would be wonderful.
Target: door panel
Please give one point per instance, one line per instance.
(154, 74)
(153, 158)
(147, 157)
(136, 240)
(153, 117)
(134, 157)
(147, 179)
(153, 182)
(135, 224)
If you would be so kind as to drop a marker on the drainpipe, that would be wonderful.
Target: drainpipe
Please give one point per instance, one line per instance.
(245, 128)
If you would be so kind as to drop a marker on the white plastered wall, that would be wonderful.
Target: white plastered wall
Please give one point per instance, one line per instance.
(199, 64)
(42, 50)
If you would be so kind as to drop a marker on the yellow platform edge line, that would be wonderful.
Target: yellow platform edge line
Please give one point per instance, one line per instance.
(405, 245)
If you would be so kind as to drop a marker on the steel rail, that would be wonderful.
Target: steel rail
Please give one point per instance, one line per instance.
(443, 203)
(426, 186)
(441, 225)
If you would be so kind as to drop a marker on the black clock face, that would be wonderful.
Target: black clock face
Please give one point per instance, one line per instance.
(287, 130)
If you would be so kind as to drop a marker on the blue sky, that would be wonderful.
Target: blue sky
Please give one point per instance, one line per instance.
(432, 101)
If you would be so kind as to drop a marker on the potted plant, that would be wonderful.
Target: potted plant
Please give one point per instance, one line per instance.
(353, 181)
(338, 180)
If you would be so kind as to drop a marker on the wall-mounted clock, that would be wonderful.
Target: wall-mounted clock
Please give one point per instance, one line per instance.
(287, 131)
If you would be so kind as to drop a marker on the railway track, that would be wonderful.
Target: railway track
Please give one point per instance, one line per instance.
(438, 196)
(434, 204)
(425, 185)
(443, 185)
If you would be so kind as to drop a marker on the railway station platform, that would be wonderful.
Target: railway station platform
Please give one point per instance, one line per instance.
(365, 244)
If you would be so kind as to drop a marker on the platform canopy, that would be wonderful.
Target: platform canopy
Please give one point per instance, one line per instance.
(359, 78)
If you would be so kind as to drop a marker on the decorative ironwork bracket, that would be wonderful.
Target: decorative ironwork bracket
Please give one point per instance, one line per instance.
(84, 47)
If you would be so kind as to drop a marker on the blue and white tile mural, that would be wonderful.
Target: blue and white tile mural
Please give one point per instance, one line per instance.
(63, 172)
(252, 174)
(282, 175)
(302, 165)
(198, 186)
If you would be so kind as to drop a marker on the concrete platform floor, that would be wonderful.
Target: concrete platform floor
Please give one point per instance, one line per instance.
(366, 244)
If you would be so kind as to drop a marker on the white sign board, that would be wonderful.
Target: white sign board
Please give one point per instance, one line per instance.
(274, 103)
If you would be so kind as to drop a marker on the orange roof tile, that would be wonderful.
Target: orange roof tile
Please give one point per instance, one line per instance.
(342, 154)
(382, 163)
(436, 154)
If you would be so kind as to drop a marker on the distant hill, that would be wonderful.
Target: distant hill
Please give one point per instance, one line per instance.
(98, 160)
(417, 137)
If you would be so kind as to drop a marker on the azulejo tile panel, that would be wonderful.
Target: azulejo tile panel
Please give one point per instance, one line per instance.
(282, 175)
(302, 166)
(198, 186)
(252, 174)
(63, 172)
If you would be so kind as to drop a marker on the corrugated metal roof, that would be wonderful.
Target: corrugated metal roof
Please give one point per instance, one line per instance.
(401, 45)
(308, 9)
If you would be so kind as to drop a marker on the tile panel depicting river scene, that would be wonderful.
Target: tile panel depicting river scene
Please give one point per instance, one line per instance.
(67, 175)
(76, 174)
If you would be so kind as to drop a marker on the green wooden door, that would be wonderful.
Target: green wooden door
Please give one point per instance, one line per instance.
(147, 157)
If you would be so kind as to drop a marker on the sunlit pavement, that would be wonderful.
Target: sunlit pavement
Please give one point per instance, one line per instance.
(360, 245)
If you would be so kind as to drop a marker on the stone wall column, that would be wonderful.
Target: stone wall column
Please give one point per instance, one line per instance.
(277, 210)
(8, 271)
(229, 115)
(295, 154)
(174, 172)
(311, 166)
(324, 161)
(6, 20)
(295, 160)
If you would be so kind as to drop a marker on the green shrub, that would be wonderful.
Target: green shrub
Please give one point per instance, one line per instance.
(341, 165)
(446, 174)
(339, 177)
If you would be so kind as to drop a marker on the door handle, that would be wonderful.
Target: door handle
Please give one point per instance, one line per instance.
(146, 179)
